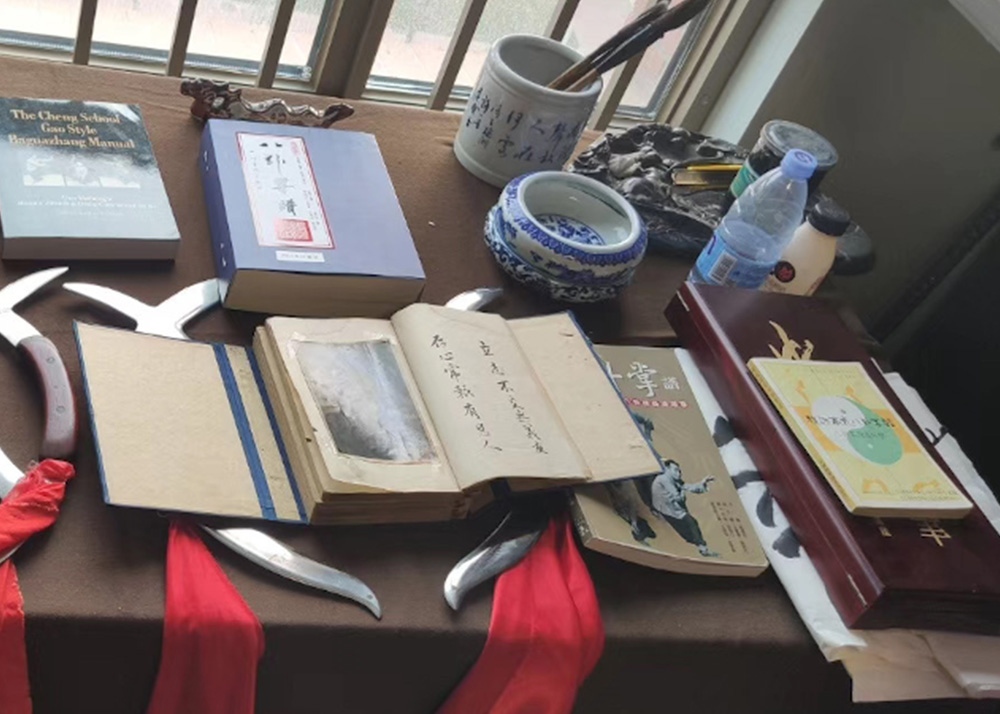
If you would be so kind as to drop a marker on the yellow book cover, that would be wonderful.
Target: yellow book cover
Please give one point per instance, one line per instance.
(866, 452)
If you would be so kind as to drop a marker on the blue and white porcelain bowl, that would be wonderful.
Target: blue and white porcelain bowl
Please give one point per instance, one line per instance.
(526, 274)
(572, 228)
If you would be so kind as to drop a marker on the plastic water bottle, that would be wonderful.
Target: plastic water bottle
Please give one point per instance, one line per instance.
(750, 239)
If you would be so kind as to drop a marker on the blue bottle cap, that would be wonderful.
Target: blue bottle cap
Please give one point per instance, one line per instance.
(798, 164)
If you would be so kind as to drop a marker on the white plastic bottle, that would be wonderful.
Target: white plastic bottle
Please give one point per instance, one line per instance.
(750, 238)
(811, 252)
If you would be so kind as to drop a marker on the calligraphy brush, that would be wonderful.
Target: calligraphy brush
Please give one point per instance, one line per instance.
(571, 75)
(633, 40)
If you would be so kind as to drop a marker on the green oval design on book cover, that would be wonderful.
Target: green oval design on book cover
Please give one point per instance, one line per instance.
(876, 441)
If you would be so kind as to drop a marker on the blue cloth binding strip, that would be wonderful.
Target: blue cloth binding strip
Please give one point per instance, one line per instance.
(259, 379)
(246, 434)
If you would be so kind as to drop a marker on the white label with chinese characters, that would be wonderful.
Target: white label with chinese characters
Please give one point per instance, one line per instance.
(295, 256)
(284, 199)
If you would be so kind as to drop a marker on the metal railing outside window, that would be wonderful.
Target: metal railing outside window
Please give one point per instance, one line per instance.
(422, 52)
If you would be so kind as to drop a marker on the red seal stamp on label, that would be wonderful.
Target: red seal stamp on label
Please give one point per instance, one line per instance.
(292, 230)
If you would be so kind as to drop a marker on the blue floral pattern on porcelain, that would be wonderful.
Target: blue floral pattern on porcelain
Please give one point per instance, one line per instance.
(519, 220)
(570, 229)
(526, 274)
(551, 268)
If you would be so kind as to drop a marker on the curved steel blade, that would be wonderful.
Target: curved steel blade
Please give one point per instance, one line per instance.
(21, 288)
(117, 301)
(14, 328)
(10, 474)
(180, 307)
(473, 300)
(5, 556)
(270, 554)
(504, 548)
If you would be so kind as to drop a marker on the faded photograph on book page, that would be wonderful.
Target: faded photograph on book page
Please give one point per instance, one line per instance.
(364, 409)
(494, 419)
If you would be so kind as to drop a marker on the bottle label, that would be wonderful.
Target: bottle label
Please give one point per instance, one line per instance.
(743, 179)
(720, 266)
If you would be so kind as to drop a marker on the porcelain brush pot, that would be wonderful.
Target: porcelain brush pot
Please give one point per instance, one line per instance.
(567, 235)
(513, 123)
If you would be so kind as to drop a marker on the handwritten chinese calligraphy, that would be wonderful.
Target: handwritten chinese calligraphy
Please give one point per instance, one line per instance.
(503, 384)
(512, 133)
(463, 393)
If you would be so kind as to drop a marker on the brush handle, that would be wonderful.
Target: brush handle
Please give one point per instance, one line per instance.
(578, 70)
(585, 81)
(628, 42)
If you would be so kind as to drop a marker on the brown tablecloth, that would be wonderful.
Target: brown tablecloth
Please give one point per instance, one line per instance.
(93, 585)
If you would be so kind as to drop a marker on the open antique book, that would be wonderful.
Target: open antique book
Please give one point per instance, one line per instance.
(356, 420)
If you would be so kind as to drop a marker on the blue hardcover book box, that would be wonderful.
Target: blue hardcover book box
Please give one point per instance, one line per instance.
(306, 222)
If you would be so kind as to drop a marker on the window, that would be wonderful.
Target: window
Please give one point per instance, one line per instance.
(418, 33)
(392, 49)
(227, 35)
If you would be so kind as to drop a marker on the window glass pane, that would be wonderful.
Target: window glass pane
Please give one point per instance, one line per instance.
(416, 39)
(235, 29)
(139, 23)
(596, 20)
(302, 32)
(642, 90)
(43, 17)
(503, 18)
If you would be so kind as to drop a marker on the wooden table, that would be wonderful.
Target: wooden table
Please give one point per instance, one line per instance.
(93, 584)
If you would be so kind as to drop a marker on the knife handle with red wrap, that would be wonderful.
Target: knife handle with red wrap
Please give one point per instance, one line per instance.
(59, 440)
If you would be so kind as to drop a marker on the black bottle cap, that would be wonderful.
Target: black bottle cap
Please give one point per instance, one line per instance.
(783, 136)
(829, 218)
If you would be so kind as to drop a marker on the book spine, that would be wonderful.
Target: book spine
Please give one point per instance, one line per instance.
(218, 221)
(787, 470)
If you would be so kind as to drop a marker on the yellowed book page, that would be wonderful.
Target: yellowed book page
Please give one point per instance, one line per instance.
(590, 407)
(872, 459)
(364, 409)
(494, 418)
(164, 426)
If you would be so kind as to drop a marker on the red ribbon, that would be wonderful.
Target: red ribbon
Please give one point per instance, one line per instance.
(212, 641)
(31, 506)
(545, 635)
